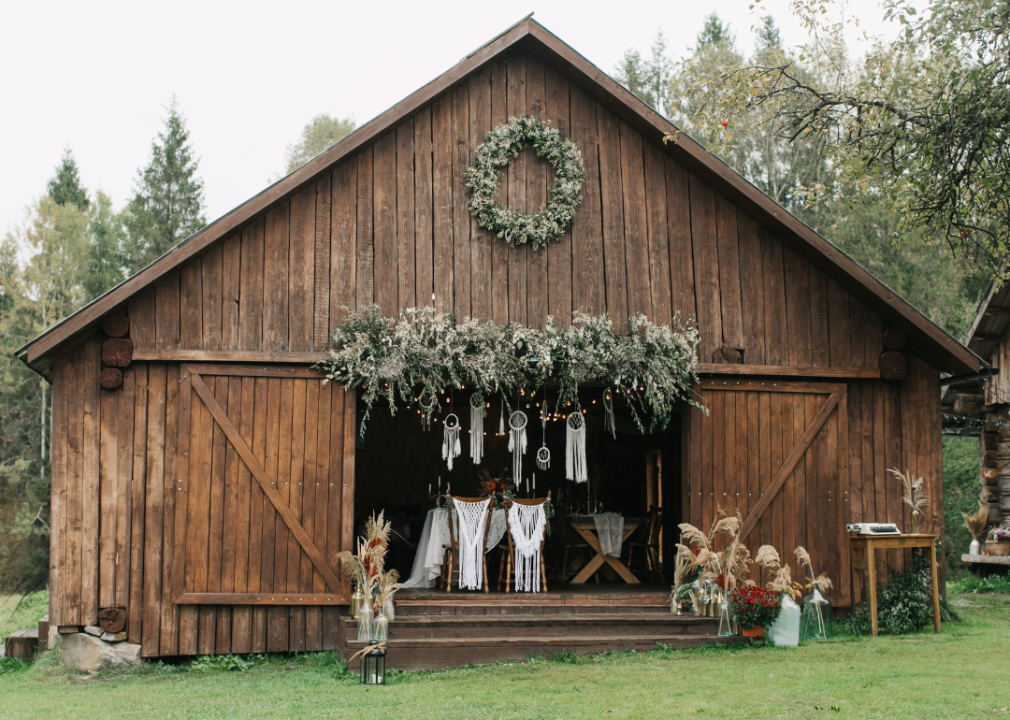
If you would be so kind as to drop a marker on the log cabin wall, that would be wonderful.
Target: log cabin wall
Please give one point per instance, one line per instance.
(390, 225)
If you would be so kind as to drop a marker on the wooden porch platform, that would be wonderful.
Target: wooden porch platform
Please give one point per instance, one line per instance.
(435, 629)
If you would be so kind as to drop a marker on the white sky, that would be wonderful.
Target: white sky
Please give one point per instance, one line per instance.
(97, 75)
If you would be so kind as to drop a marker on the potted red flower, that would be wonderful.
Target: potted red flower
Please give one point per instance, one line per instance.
(755, 608)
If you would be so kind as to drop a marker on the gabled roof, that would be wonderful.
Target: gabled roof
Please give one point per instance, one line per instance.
(926, 338)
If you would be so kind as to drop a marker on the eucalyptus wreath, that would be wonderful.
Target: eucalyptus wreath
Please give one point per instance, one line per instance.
(420, 354)
(504, 143)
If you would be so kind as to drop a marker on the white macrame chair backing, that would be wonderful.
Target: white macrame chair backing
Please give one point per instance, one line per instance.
(527, 524)
(472, 519)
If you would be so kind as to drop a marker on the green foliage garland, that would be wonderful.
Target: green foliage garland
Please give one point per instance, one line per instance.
(504, 143)
(415, 356)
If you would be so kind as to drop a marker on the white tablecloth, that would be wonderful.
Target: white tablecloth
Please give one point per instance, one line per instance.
(610, 530)
(435, 538)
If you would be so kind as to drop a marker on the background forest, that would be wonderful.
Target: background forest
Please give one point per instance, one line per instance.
(73, 245)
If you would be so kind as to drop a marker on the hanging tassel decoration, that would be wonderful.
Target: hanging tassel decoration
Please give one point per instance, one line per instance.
(517, 443)
(543, 454)
(427, 410)
(608, 413)
(501, 418)
(450, 439)
(476, 427)
(575, 447)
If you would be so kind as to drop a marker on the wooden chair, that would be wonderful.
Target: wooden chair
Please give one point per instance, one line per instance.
(570, 544)
(450, 560)
(650, 544)
(508, 547)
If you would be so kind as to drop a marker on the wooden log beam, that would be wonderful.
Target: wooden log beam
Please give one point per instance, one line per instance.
(117, 352)
(895, 339)
(967, 403)
(893, 365)
(997, 311)
(229, 356)
(116, 324)
(111, 378)
(788, 371)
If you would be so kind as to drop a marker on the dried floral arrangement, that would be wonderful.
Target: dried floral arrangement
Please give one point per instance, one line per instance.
(977, 522)
(420, 353)
(822, 582)
(697, 554)
(914, 495)
(367, 567)
(1000, 534)
(782, 578)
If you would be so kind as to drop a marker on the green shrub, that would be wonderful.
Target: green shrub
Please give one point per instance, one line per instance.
(960, 493)
(992, 584)
(904, 604)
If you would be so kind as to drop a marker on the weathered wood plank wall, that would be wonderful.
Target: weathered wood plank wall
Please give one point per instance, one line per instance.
(751, 428)
(390, 225)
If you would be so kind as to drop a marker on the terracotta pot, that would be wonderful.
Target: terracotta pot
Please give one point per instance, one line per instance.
(997, 547)
(755, 632)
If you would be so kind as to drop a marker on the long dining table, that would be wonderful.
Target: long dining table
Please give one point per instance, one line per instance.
(585, 526)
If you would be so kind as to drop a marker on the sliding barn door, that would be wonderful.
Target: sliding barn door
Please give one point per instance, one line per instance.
(264, 496)
(778, 451)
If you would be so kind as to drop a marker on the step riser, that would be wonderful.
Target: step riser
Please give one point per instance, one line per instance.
(411, 659)
(455, 609)
(398, 631)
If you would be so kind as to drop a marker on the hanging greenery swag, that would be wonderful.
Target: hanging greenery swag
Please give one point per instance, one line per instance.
(504, 143)
(421, 353)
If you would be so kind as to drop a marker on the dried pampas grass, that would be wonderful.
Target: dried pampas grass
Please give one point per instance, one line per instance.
(697, 551)
(822, 582)
(978, 521)
(915, 496)
(768, 557)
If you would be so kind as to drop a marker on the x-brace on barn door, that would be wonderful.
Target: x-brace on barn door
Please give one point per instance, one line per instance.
(262, 506)
(778, 452)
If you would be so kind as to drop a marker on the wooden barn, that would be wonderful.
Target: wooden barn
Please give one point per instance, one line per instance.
(207, 494)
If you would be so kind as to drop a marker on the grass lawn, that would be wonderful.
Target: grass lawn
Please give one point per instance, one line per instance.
(959, 674)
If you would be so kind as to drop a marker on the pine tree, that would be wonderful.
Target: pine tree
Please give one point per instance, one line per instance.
(168, 203)
(104, 262)
(66, 186)
(648, 79)
(715, 32)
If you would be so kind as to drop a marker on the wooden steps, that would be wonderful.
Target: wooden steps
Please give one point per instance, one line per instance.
(442, 640)
(22, 644)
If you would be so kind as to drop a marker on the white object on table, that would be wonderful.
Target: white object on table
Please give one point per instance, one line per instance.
(610, 530)
(433, 541)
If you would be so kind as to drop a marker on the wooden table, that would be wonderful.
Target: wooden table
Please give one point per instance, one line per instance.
(862, 548)
(585, 526)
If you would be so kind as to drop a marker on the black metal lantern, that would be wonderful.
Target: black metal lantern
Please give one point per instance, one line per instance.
(373, 668)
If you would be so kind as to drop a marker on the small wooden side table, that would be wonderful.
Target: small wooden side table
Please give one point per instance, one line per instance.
(862, 548)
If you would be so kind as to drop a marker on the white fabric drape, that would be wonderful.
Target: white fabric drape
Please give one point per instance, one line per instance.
(435, 538)
(527, 524)
(472, 518)
(610, 530)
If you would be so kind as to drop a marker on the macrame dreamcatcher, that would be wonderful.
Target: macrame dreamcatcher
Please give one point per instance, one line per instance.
(476, 427)
(517, 443)
(608, 413)
(427, 410)
(575, 447)
(450, 439)
(472, 518)
(527, 524)
(543, 454)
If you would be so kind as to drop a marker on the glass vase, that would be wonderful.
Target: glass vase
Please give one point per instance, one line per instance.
(365, 620)
(380, 628)
(727, 627)
(816, 620)
(785, 631)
